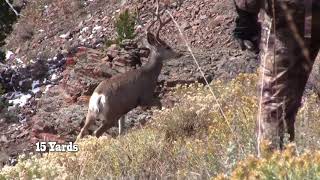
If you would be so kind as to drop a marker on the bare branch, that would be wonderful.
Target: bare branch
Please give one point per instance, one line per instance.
(12, 8)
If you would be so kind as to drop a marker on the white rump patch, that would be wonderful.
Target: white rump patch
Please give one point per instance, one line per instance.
(96, 102)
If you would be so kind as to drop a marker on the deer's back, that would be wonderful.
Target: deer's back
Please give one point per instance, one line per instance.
(124, 91)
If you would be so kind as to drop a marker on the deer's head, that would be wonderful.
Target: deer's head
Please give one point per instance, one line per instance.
(157, 46)
(161, 49)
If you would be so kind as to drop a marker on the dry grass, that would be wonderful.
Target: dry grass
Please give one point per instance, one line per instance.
(278, 165)
(190, 140)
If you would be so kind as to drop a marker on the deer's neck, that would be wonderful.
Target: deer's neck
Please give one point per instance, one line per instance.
(154, 65)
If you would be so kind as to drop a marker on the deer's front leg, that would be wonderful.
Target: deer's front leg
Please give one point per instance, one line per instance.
(103, 128)
(121, 122)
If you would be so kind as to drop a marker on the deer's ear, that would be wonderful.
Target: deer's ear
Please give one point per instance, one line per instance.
(151, 39)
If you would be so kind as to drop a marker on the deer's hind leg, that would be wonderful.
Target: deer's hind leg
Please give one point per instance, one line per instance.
(121, 122)
(90, 118)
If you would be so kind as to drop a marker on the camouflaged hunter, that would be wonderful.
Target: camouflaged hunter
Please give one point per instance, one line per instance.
(288, 51)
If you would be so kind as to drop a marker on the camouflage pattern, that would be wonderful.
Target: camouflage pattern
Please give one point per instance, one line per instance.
(286, 62)
(252, 6)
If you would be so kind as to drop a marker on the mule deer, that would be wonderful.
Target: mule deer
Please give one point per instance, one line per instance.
(116, 96)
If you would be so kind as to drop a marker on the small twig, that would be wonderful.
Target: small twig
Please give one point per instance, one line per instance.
(12, 8)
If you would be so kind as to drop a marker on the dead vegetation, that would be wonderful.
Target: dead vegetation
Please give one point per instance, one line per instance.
(189, 140)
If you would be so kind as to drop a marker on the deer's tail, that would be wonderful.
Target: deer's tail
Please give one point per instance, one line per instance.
(97, 101)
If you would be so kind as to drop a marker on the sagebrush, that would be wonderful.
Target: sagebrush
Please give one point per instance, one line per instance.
(192, 140)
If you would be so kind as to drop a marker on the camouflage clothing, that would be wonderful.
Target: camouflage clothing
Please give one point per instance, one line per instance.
(284, 73)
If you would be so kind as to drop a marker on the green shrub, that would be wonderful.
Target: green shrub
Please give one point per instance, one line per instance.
(125, 23)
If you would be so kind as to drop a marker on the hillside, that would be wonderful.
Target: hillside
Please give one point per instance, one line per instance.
(60, 50)
(190, 140)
